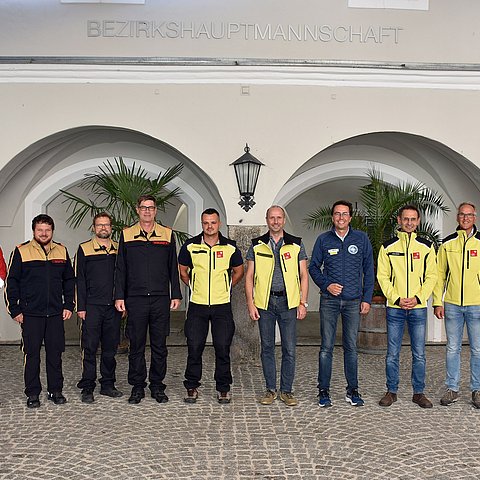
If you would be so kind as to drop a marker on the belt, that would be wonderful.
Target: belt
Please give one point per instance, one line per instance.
(281, 293)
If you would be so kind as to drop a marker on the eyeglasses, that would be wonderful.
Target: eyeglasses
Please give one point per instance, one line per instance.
(341, 214)
(144, 208)
(103, 225)
(466, 215)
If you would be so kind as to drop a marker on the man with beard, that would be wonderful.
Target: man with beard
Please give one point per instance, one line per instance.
(40, 296)
(95, 268)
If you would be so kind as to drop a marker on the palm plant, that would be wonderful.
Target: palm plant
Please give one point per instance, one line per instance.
(115, 189)
(381, 201)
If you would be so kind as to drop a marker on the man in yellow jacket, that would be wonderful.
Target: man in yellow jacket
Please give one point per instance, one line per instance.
(459, 285)
(407, 273)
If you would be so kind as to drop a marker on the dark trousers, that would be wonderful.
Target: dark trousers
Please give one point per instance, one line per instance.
(152, 313)
(196, 330)
(49, 330)
(101, 326)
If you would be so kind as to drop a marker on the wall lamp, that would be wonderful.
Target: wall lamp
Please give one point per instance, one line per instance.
(247, 168)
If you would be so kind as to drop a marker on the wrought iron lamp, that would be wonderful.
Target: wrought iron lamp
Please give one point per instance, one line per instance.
(247, 168)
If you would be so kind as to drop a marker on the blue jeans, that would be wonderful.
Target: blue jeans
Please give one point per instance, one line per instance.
(455, 319)
(416, 321)
(330, 309)
(278, 311)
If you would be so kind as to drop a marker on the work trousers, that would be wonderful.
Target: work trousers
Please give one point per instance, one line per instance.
(150, 313)
(35, 331)
(198, 320)
(101, 326)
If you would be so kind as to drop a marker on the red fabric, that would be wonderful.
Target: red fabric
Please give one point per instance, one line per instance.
(3, 266)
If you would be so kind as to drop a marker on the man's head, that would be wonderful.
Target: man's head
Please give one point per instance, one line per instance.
(210, 222)
(408, 218)
(466, 216)
(146, 208)
(342, 212)
(275, 218)
(43, 227)
(102, 225)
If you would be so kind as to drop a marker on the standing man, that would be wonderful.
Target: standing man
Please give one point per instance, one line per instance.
(459, 285)
(342, 266)
(407, 273)
(210, 264)
(276, 287)
(95, 268)
(147, 286)
(39, 295)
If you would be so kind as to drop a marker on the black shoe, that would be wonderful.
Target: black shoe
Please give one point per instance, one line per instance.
(57, 398)
(87, 395)
(136, 396)
(159, 396)
(111, 392)
(33, 401)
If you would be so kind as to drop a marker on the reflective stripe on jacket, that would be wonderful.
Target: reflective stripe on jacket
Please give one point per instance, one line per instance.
(407, 268)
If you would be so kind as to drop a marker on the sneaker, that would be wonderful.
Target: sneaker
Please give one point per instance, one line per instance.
(224, 397)
(111, 392)
(421, 400)
(159, 396)
(136, 395)
(476, 398)
(57, 398)
(87, 395)
(288, 399)
(324, 398)
(33, 401)
(191, 396)
(354, 398)
(268, 397)
(449, 397)
(388, 399)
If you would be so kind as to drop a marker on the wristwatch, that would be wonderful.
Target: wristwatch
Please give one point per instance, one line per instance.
(305, 304)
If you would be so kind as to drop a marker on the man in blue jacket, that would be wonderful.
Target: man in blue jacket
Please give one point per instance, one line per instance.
(342, 266)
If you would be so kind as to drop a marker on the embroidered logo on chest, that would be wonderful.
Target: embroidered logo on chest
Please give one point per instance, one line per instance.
(416, 255)
(220, 254)
(287, 256)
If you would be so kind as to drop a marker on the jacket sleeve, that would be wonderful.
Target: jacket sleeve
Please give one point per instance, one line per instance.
(384, 275)
(175, 291)
(3, 266)
(80, 280)
(68, 285)
(316, 264)
(430, 277)
(368, 272)
(12, 286)
(442, 268)
(120, 271)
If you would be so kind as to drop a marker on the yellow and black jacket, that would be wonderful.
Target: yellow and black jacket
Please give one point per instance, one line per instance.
(458, 270)
(210, 268)
(38, 283)
(264, 259)
(407, 268)
(147, 263)
(94, 271)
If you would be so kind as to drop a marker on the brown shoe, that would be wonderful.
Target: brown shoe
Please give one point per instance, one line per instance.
(388, 399)
(421, 400)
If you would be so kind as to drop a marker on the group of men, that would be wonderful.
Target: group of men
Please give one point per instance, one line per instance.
(140, 278)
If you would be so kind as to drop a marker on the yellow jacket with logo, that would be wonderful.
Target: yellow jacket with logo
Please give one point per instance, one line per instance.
(264, 264)
(210, 268)
(459, 270)
(407, 268)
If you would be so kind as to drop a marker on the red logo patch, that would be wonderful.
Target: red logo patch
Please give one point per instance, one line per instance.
(473, 253)
(220, 254)
(160, 242)
(416, 255)
(58, 260)
(287, 256)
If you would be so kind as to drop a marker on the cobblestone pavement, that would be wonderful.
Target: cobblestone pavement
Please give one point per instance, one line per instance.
(111, 439)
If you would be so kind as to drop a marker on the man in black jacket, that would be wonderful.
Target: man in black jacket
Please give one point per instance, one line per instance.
(147, 286)
(40, 296)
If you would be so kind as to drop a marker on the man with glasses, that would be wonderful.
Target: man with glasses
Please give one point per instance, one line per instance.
(458, 287)
(147, 286)
(342, 267)
(95, 268)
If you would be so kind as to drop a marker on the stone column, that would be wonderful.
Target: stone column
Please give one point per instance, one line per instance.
(246, 342)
